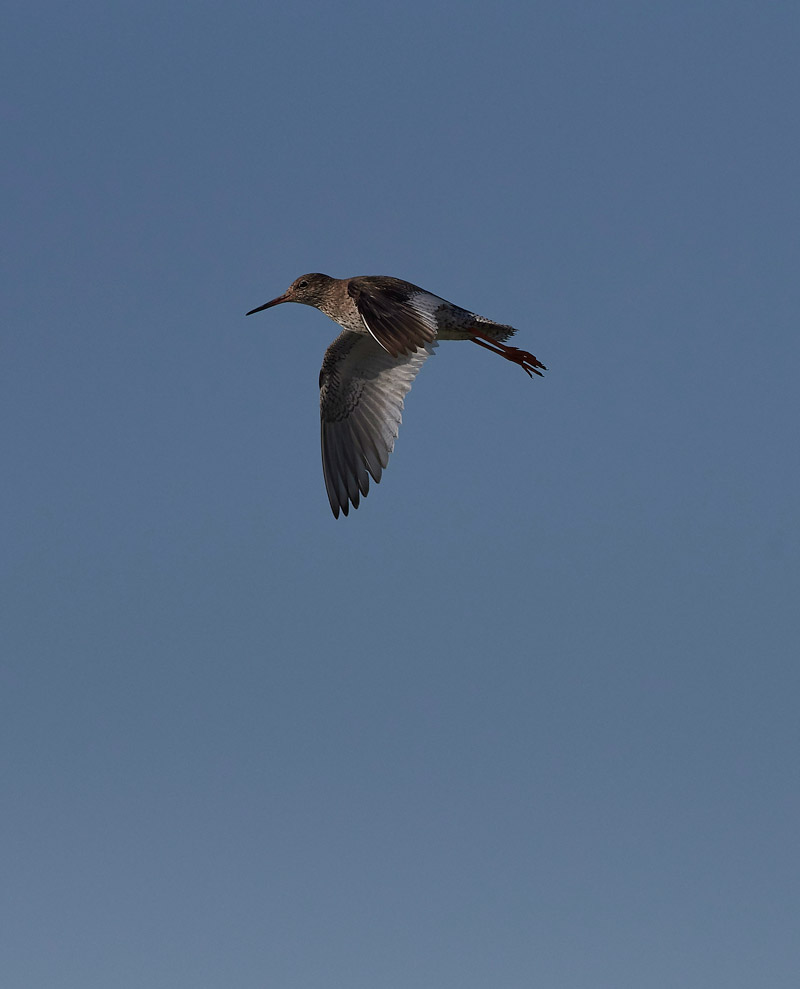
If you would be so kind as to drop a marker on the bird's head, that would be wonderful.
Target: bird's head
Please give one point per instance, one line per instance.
(310, 289)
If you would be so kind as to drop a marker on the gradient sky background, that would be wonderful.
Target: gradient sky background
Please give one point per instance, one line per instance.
(529, 717)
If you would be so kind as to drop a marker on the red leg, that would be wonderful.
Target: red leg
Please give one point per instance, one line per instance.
(526, 361)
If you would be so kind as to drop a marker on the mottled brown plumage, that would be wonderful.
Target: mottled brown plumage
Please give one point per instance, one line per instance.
(390, 328)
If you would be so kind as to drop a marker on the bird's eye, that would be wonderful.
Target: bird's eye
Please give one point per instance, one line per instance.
(303, 284)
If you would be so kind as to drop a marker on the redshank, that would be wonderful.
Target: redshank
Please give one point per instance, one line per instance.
(390, 329)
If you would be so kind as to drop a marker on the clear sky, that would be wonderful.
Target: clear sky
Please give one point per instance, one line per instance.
(527, 718)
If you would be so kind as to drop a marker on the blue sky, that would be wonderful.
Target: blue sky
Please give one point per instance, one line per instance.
(529, 716)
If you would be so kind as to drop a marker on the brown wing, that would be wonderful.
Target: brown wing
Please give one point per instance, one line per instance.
(399, 315)
(362, 388)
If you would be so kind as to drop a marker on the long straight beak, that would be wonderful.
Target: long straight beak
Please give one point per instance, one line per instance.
(275, 302)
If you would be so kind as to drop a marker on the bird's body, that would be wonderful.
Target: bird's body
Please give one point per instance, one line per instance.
(390, 328)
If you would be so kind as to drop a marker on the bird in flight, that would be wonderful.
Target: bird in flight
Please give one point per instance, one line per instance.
(390, 328)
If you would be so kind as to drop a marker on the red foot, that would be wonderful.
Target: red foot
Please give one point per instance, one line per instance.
(526, 361)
